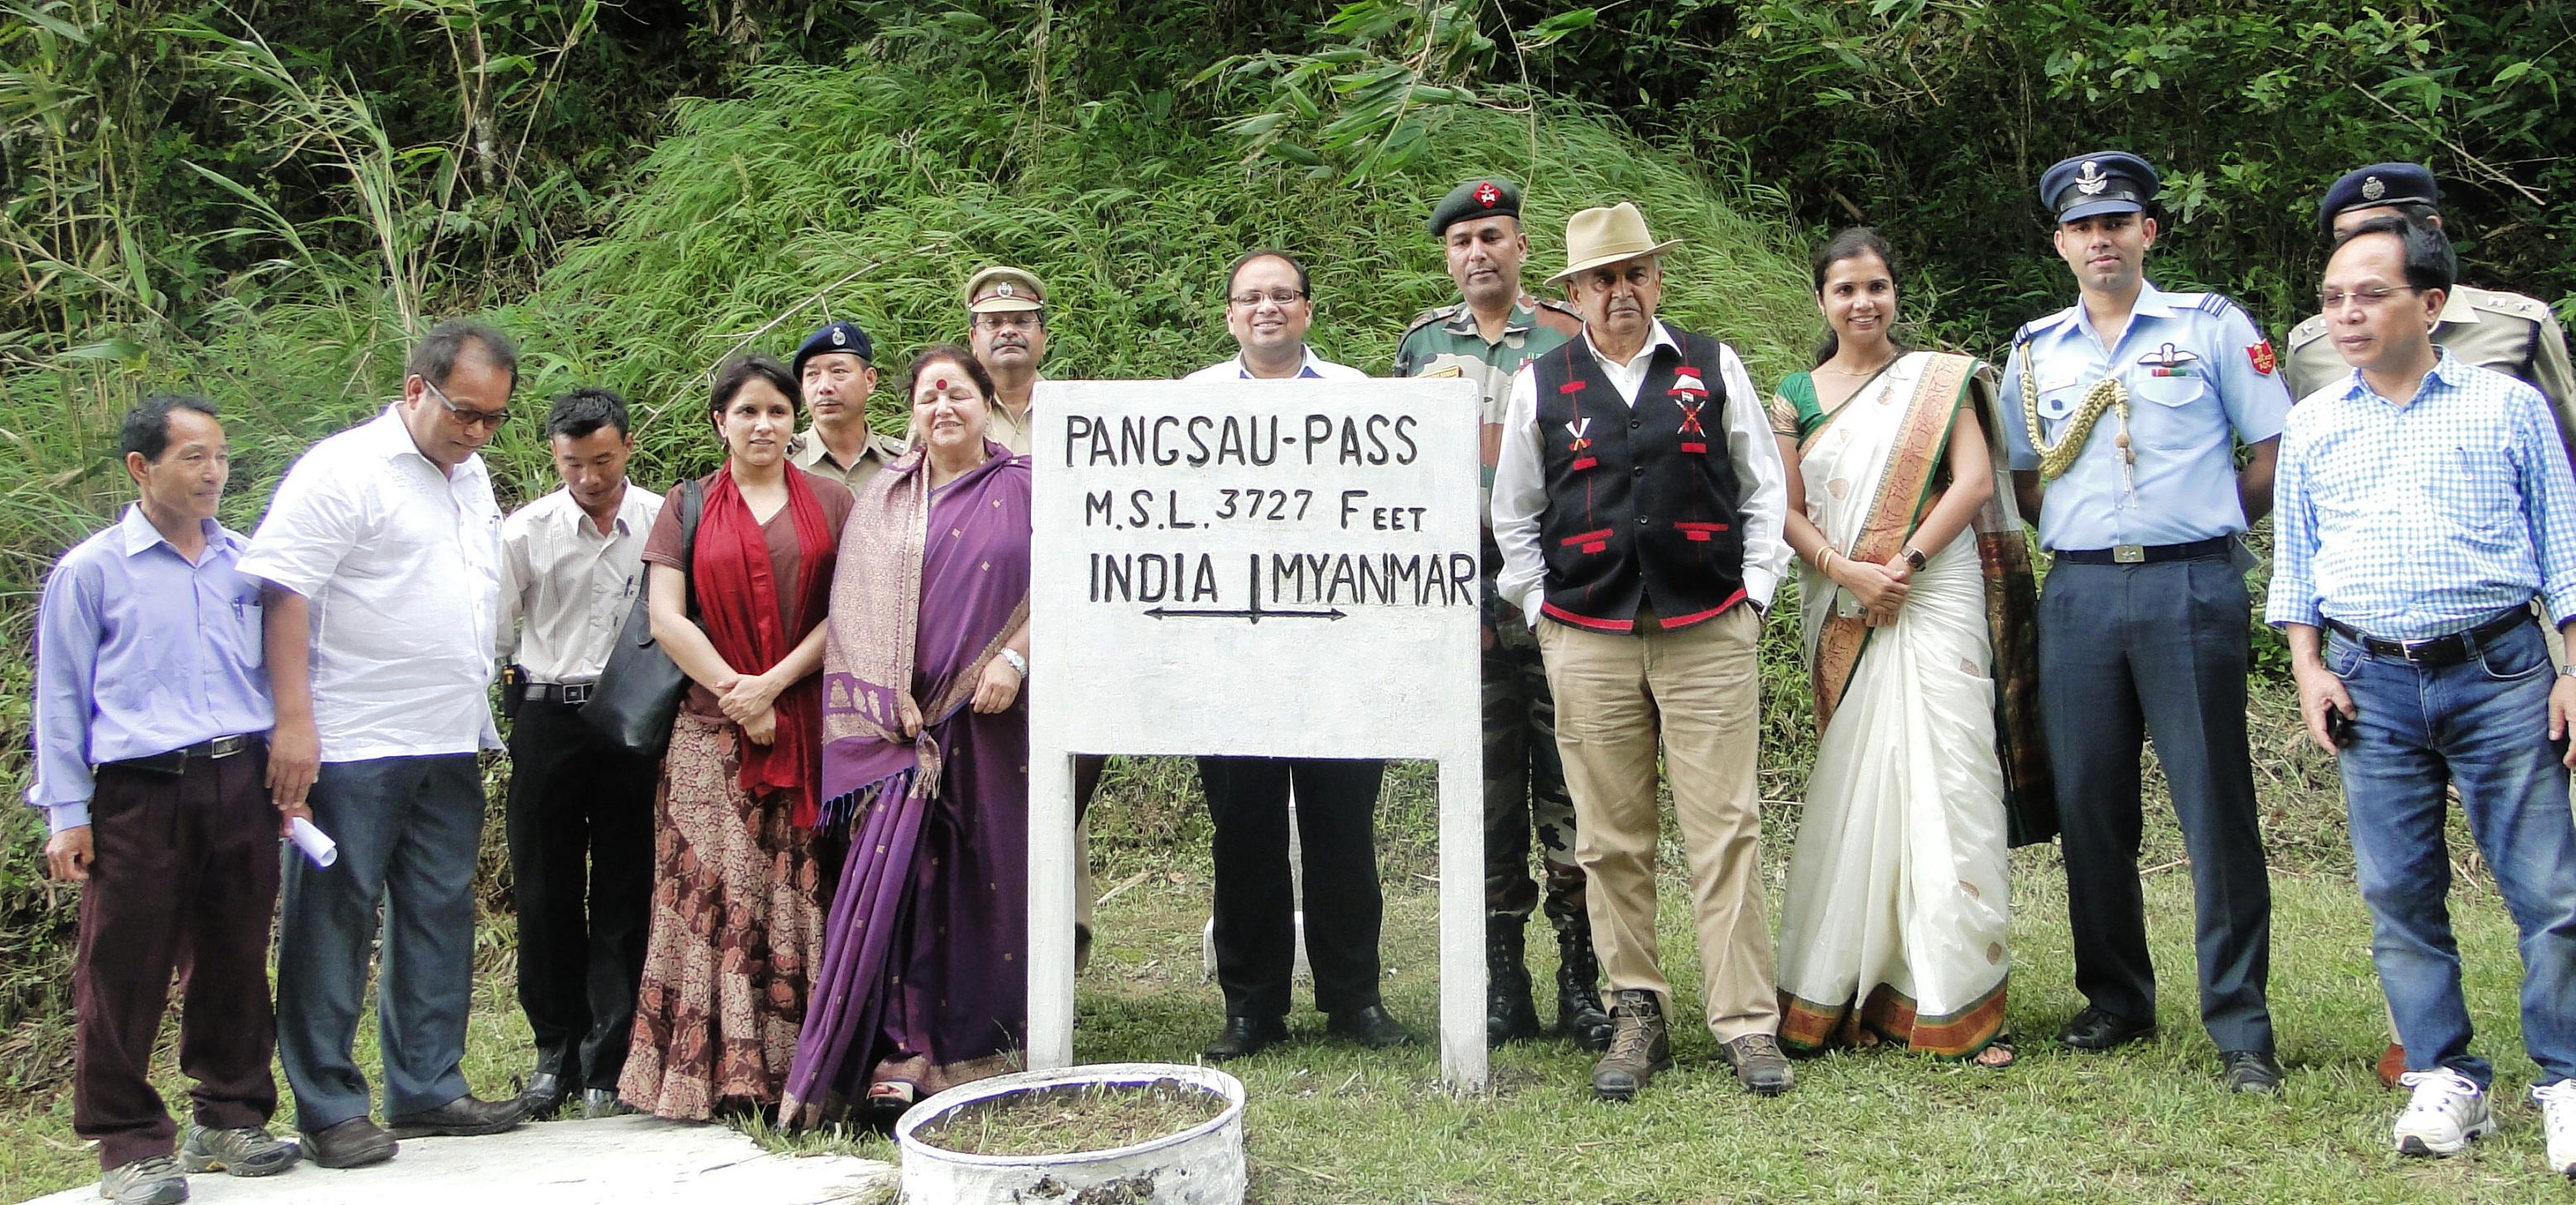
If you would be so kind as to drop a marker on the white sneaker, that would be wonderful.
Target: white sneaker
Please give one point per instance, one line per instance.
(2447, 1111)
(2558, 1116)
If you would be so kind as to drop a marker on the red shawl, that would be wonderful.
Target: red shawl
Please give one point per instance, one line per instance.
(737, 596)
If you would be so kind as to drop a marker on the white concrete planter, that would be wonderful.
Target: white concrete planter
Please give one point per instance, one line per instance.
(1202, 1165)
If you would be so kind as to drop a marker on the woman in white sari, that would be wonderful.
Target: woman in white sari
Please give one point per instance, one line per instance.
(1915, 596)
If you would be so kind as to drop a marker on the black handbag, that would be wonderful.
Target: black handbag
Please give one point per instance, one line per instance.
(639, 692)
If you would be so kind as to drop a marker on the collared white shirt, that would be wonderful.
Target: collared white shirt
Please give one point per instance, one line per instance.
(1315, 368)
(402, 566)
(1520, 481)
(567, 586)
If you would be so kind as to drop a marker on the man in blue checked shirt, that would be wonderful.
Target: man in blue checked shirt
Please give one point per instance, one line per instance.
(151, 738)
(2123, 414)
(2425, 502)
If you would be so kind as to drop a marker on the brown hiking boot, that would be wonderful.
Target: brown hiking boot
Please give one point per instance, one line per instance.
(1758, 1063)
(1640, 1046)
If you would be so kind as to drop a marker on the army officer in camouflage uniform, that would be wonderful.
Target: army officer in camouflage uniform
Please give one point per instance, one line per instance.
(1487, 336)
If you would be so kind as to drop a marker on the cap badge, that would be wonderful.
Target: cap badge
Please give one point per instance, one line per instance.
(2090, 181)
(2372, 189)
(1487, 195)
(1002, 290)
(840, 335)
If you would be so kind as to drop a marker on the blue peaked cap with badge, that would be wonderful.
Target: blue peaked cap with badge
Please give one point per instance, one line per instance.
(2376, 185)
(2100, 182)
(835, 336)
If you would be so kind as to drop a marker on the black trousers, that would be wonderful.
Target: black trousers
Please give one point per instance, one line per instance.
(184, 879)
(1255, 926)
(581, 858)
(2127, 653)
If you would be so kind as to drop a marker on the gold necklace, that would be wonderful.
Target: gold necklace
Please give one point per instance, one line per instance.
(1881, 367)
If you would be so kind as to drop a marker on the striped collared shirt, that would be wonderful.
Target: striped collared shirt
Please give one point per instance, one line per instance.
(2414, 521)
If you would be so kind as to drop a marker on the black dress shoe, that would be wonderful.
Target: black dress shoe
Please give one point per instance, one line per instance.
(603, 1102)
(1372, 1026)
(463, 1117)
(356, 1142)
(2249, 1071)
(1245, 1035)
(2094, 1029)
(545, 1094)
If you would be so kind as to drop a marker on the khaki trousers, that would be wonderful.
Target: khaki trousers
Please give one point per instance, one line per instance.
(1698, 691)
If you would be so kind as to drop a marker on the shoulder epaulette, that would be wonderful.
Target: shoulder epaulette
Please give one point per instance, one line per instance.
(2309, 331)
(1550, 303)
(2216, 304)
(1437, 313)
(2515, 304)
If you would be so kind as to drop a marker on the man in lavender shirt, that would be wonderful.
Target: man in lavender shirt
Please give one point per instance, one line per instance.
(151, 724)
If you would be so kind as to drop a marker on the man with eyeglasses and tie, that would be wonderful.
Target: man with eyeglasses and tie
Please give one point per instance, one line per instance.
(381, 558)
(1268, 306)
(2426, 504)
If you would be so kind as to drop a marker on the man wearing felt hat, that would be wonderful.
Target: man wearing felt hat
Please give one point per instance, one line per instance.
(1638, 500)
(2508, 332)
(1487, 335)
(2123, 413)
(835, 371)
(1006, 318)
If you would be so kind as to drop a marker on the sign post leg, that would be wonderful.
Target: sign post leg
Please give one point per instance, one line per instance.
(1050, 955)
(1462, 922)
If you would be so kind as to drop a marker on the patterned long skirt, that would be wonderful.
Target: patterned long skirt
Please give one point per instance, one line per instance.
(736, 932)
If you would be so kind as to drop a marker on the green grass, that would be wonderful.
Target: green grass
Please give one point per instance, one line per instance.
(1330, 1123)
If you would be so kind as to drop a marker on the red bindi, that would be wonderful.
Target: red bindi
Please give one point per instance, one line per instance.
(940, 384)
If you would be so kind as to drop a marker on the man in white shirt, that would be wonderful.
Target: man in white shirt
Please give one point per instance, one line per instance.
(1268, 309)
(381, 557)
(581, 805)
(1638, 503)
(1269, 303)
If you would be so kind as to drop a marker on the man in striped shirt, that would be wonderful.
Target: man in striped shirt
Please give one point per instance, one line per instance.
(2423, 504)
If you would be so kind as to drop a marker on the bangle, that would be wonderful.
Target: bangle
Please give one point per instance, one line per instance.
(1824, 561)
(1017, 662)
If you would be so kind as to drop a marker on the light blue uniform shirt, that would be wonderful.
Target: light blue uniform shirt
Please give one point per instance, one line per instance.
(2198, 372)
(2409, 522)
(139, 652)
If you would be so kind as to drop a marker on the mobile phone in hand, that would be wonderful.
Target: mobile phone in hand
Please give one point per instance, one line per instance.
(2338, 727)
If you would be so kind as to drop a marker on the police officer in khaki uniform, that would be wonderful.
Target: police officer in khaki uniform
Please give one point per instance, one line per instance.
(1006, 318)
(2508, 332)
(835, 371)
(1487, 335)
(1006, 329)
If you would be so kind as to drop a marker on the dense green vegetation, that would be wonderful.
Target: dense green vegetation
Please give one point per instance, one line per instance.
(259, 201)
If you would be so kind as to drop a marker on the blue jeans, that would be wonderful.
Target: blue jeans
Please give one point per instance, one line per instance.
(2481, 725)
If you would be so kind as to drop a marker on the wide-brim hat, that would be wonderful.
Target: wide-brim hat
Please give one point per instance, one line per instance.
(1607, 234)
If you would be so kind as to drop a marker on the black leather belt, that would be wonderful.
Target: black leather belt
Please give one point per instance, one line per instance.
(561, 692)
(2438, 650)
(176, 761)
(2146, 554)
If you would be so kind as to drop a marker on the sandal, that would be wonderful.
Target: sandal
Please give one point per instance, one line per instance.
(889, 1100)
(2003, 1045)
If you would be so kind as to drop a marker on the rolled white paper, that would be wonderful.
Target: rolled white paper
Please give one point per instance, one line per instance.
(315, 843)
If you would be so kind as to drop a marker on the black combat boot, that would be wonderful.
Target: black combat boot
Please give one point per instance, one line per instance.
(1579, 1014)
(1509, 1015)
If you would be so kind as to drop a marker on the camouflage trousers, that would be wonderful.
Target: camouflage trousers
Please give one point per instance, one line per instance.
(1525, 795)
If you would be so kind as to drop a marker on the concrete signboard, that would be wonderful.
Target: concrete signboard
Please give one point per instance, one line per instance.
(1271, 568)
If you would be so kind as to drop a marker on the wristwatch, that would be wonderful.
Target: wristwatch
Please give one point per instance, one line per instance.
(1017, 662)
(1914, 558)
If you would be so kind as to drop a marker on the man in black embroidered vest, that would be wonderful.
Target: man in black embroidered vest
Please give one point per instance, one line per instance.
(1638, 502)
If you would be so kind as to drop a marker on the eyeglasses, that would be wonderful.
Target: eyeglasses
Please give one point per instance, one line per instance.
(2331, 300)
(1011, 320)
(471, 418)
(1283, 298)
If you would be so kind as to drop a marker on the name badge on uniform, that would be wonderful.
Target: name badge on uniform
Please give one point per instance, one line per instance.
(1437, 373)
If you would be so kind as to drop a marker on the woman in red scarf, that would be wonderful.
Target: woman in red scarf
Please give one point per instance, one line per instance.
(737, 927)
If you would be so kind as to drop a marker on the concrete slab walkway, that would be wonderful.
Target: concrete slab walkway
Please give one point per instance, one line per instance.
(612, 1161)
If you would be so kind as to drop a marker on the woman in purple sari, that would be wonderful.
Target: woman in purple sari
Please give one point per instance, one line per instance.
(925, 759)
